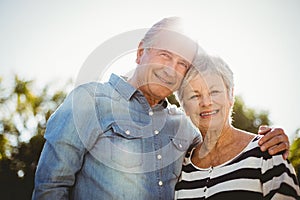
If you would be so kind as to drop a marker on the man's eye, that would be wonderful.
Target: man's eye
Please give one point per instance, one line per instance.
(184, 65)
(165, 55)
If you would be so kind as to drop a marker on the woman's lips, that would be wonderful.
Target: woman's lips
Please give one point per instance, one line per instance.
(208, 113)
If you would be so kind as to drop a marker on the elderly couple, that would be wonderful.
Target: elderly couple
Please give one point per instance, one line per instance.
(123, 140)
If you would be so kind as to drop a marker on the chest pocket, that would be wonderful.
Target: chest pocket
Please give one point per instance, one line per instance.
(179, 148)
(180, 143)
(126, 146)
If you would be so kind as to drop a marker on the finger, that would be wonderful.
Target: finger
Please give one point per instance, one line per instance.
(276, 133)
(286, 155)
(273, 141)
(281, 148)
(263, 129)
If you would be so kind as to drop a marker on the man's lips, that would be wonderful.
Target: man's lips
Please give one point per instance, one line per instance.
(163, 80)
(208, 113)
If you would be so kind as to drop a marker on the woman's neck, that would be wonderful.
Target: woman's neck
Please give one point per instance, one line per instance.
(216, 150)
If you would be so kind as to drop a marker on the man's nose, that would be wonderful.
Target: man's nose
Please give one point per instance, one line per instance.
(170, 68)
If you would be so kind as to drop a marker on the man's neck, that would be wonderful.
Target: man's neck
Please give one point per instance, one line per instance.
(152, 100)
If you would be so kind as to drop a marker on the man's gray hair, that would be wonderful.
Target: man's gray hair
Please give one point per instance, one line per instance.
(170, 23)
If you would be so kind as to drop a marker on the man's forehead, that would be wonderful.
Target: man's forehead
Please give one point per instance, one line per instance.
(176, 43)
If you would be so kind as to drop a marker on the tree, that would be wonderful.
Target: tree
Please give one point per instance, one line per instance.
(23, 111)
(247, 118)
(294, 156)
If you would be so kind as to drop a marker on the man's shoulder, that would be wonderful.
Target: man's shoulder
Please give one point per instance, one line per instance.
(94, 88)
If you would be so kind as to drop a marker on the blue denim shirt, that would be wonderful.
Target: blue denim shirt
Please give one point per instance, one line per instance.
(106, 142)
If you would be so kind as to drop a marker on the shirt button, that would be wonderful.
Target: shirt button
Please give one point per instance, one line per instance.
(127, 132)
(205, 189)
(150, 113)
(160, 183)
(159, 157)
(180, 146)
(156, 132)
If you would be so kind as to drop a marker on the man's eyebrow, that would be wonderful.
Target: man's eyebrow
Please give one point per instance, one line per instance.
(172, 53)
(164, 50)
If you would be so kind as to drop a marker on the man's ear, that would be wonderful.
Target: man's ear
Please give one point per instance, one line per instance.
(139, 53)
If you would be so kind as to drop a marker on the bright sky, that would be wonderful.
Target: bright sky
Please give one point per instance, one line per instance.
(260, 40)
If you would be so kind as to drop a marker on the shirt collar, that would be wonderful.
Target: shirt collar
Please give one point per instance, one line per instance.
(127, 91)
(122, 86)
(161, 105)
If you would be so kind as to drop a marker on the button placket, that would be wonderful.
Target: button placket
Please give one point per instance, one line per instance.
(150, 113)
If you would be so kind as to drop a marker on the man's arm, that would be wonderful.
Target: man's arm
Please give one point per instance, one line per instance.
(68, 135)
(61, 156)
(275, 141)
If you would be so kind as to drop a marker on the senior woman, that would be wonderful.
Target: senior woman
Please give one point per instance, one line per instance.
(229, 163)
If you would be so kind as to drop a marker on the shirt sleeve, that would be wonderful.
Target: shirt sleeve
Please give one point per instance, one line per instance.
(69, 134)
(279, 180)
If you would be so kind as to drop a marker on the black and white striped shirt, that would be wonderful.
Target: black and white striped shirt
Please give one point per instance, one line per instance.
(252, 174)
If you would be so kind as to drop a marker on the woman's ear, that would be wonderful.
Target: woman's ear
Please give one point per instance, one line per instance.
(139, 53)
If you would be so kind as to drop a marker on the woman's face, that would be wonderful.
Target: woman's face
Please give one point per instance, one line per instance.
(206, 102)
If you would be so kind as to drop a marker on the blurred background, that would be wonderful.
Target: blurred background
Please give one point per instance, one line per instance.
(43, 45)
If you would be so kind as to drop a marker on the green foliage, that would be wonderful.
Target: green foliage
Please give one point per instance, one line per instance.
(247, 118)
(294, 156)
(172, 99)
(22, 112)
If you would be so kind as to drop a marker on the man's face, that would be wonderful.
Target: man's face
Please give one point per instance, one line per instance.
(160, 72)
(162, 66)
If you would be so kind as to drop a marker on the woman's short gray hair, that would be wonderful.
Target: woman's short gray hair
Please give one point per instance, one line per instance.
(207, 63)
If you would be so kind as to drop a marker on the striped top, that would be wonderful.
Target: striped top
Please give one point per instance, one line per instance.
(252, 174)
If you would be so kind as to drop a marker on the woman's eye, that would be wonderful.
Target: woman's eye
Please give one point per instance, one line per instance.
(214, 92)
(195, 96)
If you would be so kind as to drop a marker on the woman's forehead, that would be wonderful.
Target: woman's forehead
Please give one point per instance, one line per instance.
(205, 79)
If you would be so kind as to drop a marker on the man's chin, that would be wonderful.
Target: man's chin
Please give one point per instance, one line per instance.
(161, 94)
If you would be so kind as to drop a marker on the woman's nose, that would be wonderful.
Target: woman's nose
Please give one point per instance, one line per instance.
(205, 100)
